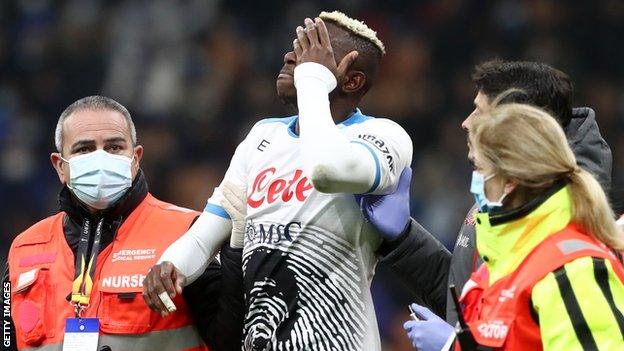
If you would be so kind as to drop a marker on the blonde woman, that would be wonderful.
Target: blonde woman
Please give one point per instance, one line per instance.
(546, 233)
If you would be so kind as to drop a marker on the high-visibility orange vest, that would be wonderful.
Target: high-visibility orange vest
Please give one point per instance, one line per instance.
(41, 270)
(499, 316)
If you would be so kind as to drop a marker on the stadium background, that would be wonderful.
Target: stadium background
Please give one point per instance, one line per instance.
(197, 74)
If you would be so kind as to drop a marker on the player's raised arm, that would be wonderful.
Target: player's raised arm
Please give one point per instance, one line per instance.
(335, 162)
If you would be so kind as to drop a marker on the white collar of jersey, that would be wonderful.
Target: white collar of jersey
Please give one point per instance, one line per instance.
(355, 118)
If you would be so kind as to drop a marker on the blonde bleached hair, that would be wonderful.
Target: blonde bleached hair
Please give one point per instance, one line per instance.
(355, 27)
(527, 146)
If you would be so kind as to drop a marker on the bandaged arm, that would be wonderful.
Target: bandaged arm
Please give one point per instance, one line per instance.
(335, 162)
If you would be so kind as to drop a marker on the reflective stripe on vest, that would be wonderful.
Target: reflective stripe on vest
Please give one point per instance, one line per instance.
(573, 245)
(51, 347)
(184, 338)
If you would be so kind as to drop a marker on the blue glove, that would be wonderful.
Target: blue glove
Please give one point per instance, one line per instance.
(430, 333)
(389, 213)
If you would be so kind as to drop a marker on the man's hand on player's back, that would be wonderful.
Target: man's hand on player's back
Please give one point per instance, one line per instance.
(313, 45)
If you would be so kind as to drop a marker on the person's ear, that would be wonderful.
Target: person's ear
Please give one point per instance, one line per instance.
(136, 160)
(353, 82)
(59, 167)
(509, 187)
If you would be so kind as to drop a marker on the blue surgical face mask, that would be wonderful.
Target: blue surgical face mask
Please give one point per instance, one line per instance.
(99, 178)
(477, 188)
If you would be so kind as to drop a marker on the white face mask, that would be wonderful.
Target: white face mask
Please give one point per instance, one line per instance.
(477, 188)
(99, 178)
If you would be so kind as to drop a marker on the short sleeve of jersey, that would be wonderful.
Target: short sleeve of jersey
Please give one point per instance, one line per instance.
(391, 148)
(236, 173)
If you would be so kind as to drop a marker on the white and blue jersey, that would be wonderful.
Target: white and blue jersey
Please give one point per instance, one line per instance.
(309, 257)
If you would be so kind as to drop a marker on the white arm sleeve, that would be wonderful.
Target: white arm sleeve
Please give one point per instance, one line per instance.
(192, 252)
(333, 163)
(371, 163)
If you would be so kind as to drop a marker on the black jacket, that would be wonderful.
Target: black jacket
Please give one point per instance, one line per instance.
(428, 269)
(215, 299)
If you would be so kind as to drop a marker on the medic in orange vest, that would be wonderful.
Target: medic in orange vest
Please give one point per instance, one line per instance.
(77, 276)
(550, 280)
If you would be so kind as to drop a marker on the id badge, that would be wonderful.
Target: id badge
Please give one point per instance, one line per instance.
(81, 334)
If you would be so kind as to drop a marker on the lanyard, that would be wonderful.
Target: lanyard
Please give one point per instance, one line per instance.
(83, 280)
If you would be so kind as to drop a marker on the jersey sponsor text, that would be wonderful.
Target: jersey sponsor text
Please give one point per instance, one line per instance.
(270, 190)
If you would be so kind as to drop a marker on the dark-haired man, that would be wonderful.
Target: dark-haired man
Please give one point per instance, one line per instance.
(416, 256)
(309, 254)
(550, 89)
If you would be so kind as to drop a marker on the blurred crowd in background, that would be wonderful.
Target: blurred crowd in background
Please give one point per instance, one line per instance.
(197, 74)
